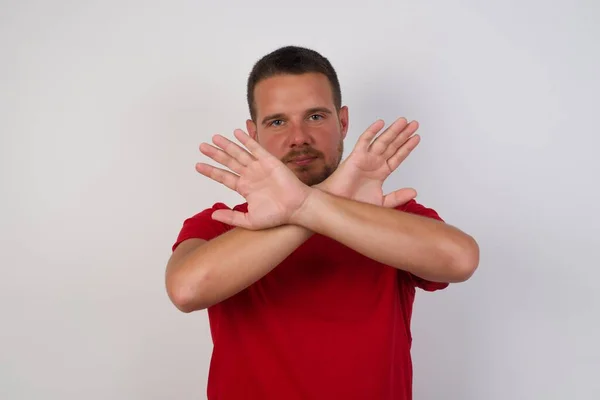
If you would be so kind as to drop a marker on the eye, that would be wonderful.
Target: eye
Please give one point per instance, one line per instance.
(316, 117)
(276, 122)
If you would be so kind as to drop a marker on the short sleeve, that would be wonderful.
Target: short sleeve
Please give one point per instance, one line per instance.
(418, 209)
(202, 226)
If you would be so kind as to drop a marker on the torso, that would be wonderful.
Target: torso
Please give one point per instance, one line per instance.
(326, 323)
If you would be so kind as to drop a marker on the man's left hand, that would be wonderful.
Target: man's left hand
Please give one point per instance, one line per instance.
(360, 176)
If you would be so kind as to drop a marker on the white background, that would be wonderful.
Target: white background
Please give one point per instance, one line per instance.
(103, 106)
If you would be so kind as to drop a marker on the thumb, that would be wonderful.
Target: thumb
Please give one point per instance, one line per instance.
(399, 197)
(230, 217)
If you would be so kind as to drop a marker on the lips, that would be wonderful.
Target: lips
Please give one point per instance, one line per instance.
(297, 159)
(303, 160)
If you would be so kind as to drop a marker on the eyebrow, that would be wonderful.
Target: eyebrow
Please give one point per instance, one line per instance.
(310, 111)
(272, 116)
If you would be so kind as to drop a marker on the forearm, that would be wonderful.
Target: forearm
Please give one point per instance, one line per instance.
(231, 262)
(423, 246)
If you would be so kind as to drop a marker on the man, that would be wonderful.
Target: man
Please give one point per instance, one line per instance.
(309, 285)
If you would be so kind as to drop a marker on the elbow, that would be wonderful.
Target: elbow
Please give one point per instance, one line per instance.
(183, 302)
(465, 260)
(185, 297)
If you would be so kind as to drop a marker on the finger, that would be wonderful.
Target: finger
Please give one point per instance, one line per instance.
(399, 197)
(230, 217)
(402, 138)
(256, 149)
(233, 150)
(381, 143)
(221, 157)
(217, 174)
(364, 141)
(403, 152)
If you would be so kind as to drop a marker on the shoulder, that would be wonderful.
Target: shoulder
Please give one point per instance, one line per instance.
(415, 208)
(202, 226)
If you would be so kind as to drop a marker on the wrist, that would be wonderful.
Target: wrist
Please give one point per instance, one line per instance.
(331, 186)
(303, 215)
(323, 186)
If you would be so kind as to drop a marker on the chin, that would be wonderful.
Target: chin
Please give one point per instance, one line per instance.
(314, 178)
(311, 181)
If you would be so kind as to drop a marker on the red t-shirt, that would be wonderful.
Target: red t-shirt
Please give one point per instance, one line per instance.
(326, 323)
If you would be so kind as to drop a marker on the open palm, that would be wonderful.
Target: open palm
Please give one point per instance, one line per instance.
(271, 189)
(360, 176)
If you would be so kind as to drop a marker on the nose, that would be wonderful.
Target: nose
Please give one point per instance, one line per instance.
(300, 136)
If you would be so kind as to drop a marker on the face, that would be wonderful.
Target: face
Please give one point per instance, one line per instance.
(297, 122)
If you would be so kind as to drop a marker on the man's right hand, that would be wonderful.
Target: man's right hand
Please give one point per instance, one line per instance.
(360, 176)
(271, 189)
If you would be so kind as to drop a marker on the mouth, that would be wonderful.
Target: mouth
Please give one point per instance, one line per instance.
(305, 160)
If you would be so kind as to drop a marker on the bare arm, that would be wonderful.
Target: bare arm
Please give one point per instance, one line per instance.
(430, 249)
(201, 273)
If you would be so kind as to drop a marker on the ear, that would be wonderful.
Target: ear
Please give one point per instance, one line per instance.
(343, 116)
(251, 127)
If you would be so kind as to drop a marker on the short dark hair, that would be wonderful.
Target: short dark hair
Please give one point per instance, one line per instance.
(292, 60)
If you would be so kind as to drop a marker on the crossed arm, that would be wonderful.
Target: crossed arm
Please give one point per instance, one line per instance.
(200, 273)
(425, 247)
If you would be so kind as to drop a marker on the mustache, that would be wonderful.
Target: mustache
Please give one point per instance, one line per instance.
(303, 152)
